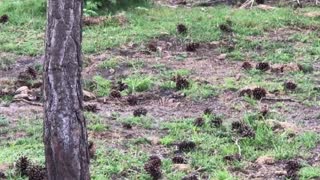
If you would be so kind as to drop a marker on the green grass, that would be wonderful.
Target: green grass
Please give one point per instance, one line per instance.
(145, 122)
(6, 62)
(198, 91)
(25, 32)
(101, 85)
(24, 35)
(138, 83)
(110, 63)
(309, 173)
(3, 121)
(209, 154)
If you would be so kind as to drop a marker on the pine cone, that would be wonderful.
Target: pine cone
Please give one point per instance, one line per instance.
(207, 111)
(132, 100)
(259, 93)
(246, 65)
(199, 122)
(263, 66)
(289, 85)
(22, 165)
(178, 160)
(4, 18)
(115, 94)
(192, 47)
(153, 167)
(36, 173)
(182, 29)
(140, 112)
(181, 83)
(186, 146)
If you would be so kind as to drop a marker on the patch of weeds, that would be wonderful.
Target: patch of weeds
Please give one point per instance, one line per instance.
(38, 67)
(98, 127)
(231, 84)
(110, 63)
(279, 145)
(95, 122)
(3, 121)
(181, 57)
(236, 55)
(138, 83)
(6, 63)
(250, 100)
(140, 140)
(223, 175)
(135, 63)
(101, 85)
(169, 78)
(6, 99)
(167, 85)
(306, 90)
(142, 121)
(32, 127)
(309, 173)
(198, 91)
(28, 146)
(211, 154)
(281, 55)
(111, 163)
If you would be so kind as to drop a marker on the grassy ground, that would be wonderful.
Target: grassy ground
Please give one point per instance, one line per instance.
(118, 50)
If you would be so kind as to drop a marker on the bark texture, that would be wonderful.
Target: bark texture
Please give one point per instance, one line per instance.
(65, 135)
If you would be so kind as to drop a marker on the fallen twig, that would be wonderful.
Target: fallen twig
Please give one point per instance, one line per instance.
(28, 102)
(278, 99)
(236, 141)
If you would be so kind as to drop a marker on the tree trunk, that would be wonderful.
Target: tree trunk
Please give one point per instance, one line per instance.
(65, 134)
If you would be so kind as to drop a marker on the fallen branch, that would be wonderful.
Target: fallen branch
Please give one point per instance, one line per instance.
(246, 4)
(278, 99)
(28, 102)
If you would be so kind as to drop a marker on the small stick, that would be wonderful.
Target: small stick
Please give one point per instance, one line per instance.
(237, 143)
(278, 99)
(28, 102)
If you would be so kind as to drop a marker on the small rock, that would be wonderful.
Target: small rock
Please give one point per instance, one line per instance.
(112, 71)
(88, 96)
(222, 56)
(154, 140)
(265, 160)
(182, 167)
(280, 173)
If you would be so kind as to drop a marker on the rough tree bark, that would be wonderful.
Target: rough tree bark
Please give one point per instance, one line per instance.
(65, 135)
